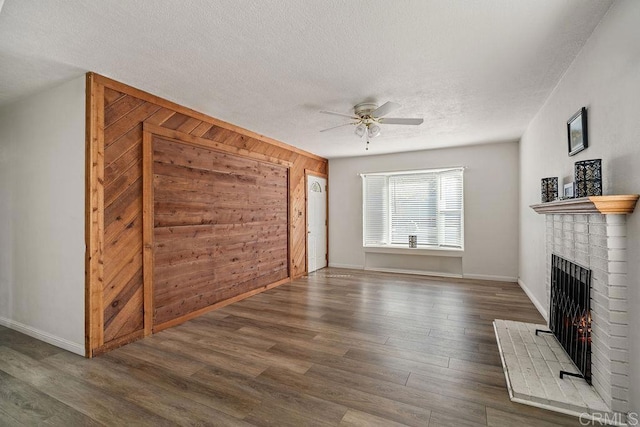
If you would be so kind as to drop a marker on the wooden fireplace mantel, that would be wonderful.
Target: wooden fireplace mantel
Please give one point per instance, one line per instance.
(618, 204)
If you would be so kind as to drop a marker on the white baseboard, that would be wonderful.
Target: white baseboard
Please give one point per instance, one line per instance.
(427, 273)
(418, 272)
(534, 300)
(349, 266)
(43, 336)
(490, 277)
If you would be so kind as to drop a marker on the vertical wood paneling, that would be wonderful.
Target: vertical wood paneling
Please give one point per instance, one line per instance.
(147, 237)
(94, 221)
(117, 306)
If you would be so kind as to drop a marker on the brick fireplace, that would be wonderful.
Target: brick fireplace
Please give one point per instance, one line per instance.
(598, 242)
(594, 235)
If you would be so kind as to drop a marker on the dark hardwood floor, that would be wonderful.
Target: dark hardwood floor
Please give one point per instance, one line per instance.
(340, 347)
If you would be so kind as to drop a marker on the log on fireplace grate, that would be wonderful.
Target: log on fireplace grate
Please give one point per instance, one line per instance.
(570, 312)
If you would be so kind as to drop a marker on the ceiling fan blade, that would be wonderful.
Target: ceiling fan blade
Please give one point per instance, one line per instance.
(351, 116)
(398, 121)
(385, 109)
(339, 126)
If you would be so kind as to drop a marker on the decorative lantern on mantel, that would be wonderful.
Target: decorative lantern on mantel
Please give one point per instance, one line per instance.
(588, 176)
(549, 189)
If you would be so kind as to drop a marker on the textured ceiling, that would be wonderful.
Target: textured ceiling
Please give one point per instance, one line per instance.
(477, 71)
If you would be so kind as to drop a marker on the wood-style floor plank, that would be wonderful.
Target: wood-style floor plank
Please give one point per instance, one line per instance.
(335, 348)
(25, 404)
(355, 418)
(103, 406)
(369, 402)
(26, 345)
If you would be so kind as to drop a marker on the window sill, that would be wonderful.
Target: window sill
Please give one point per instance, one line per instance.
(457, 253)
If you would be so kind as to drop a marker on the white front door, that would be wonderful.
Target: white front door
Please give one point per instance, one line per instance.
(317, 223)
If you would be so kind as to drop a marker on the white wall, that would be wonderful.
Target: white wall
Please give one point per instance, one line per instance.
(605, 77)
(42, 168)
(491, 209)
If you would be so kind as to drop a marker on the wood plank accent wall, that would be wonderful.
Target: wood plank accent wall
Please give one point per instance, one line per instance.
(220, 227)
(117, 115)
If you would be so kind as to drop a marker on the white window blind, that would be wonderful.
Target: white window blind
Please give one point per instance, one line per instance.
(376, 201)
(428, 204)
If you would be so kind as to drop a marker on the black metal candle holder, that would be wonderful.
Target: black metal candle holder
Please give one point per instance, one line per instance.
(549, 189)
(588, 177)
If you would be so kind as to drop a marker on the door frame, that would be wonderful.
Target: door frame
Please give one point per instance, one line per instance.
(308, 172)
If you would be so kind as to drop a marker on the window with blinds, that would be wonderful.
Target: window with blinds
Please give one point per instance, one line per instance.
(427, 204)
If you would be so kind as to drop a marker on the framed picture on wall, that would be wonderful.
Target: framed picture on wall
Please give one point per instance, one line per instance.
(577, 132)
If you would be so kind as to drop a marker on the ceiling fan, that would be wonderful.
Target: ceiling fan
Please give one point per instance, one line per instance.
(368, 117)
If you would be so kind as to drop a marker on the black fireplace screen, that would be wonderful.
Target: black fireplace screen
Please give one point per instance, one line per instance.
(570, 315)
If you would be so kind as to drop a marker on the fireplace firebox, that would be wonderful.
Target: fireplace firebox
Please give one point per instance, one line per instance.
(570, 313)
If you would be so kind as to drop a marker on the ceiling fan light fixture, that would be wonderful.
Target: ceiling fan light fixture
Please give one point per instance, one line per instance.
(373, 130)
(368, 118)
